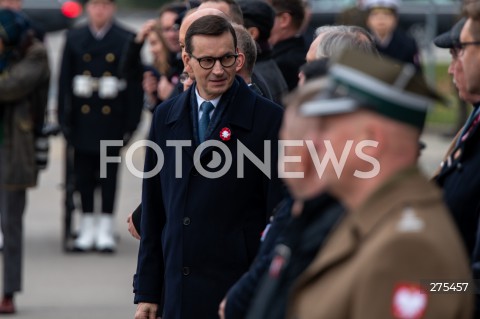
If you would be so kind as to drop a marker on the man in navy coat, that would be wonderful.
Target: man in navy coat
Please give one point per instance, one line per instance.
(199, 234)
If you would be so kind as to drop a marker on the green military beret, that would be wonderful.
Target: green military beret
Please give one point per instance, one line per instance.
(360, 80)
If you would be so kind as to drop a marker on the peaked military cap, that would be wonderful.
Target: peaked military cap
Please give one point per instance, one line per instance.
(359, 80)
(450, 38)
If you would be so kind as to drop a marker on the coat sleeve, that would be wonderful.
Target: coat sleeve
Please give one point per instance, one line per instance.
(64, 100)
(149, 279)
(131, 69)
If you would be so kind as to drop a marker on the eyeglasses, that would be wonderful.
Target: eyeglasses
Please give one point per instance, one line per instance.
(460, 46)
(208, 62)
(454, 53)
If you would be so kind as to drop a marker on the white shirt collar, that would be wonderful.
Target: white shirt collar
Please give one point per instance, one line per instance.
(200, 100)
(100, 33)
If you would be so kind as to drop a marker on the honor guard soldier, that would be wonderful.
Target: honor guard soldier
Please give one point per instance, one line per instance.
(96, 103)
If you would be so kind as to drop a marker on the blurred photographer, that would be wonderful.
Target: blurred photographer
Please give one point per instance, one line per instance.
(24, 82)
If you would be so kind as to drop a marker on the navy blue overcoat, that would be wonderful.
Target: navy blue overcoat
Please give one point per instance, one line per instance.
(199, 234)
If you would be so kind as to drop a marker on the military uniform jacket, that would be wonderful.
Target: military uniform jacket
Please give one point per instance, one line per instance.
(378, 262)
(200, 235)
(87, 121)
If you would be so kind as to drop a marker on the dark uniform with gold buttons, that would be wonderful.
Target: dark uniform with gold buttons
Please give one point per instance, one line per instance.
(97, 102)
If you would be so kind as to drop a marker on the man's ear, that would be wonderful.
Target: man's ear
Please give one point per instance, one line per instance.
(186, 62)
(285, 19)
(240, 61)
(376, 133)
(254, 32)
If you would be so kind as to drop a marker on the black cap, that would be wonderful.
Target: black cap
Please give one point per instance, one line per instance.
(315, 69)
(259, 14)
(448, 39)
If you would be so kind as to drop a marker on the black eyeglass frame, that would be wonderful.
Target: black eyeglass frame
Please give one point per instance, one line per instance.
(459, 47)
(215, 59)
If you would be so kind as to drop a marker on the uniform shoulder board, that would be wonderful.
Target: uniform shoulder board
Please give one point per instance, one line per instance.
(410, 221)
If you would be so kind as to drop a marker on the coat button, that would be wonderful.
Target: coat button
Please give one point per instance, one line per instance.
(110, 57)
(85, 109)
(107, 73)
(106, 109)
(86, 72)
(186, 221)
(87, 57)
(186, 271)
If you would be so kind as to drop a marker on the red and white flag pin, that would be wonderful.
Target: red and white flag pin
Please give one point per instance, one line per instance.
(409, 301)
(225, 134)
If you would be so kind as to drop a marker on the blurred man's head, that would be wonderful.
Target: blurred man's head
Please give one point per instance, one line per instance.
(168, 21)
(15, 5)
(100, 12)
(229, 7)
(450, 40)
(469, 47)
(289, 16)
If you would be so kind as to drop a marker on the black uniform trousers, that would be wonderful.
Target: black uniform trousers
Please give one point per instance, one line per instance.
(87, 177)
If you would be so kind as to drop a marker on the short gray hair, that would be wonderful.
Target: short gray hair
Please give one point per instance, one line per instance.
(342, 37)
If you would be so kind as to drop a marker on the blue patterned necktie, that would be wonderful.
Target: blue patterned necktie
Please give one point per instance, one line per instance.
(206, 108)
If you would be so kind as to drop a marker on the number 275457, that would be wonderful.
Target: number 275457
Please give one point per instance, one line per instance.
(450, 287)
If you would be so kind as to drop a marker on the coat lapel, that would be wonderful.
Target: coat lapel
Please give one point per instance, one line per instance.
(179, 120)
(239, 114)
